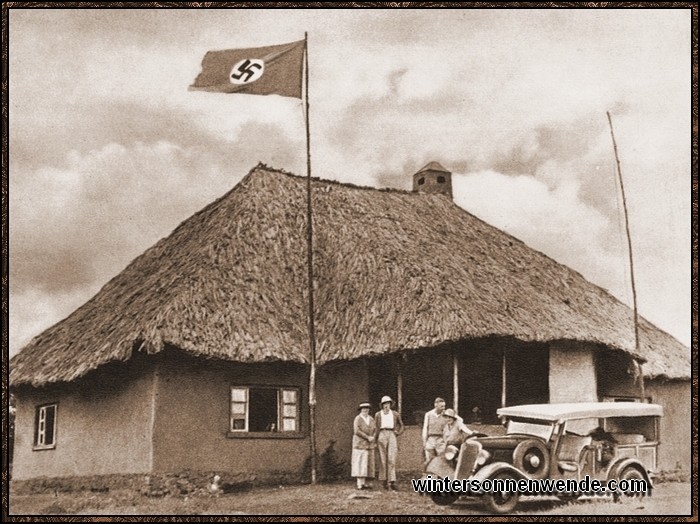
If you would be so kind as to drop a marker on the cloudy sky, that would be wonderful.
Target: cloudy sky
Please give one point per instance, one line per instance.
(109, 151)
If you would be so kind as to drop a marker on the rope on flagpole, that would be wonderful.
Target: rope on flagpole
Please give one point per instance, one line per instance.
(310, 260)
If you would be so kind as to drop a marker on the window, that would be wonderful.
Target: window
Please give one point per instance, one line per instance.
(421, 181)
(45, 427)
(266, 410)
(441, 179)
(536, 428)
(582, 426)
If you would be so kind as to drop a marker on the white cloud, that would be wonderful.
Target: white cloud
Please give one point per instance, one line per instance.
(91, 217)
(553, 221)
(485, 92)
(32, 311)
(556, 222)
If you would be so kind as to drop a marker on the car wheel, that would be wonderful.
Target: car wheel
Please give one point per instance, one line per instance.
(445, 498)
(502, 501)
(631, 473)
(532, 457)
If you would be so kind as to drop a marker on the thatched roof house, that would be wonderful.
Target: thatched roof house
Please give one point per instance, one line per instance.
(195, 356)
(394, 270)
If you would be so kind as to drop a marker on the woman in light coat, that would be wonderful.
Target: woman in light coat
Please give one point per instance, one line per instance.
(363, 446)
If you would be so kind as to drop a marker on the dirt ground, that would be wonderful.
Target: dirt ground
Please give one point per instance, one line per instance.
(670, 498)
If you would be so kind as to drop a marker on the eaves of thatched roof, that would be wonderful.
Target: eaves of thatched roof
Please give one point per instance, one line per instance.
(393, 270)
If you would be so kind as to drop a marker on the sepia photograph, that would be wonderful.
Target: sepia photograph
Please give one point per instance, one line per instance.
(382, 260)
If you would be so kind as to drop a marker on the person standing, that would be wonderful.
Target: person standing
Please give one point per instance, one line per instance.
(433, 425)
(363, 446)
(389, 425)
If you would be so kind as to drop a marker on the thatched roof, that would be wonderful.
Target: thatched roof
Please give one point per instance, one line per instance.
(394, 270)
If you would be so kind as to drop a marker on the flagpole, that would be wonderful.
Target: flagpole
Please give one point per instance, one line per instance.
(237, 71)
(310, 260)
(638, 364)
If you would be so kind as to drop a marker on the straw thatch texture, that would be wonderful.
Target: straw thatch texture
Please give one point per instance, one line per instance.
(393, 270)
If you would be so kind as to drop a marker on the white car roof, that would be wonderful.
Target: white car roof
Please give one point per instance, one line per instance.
(578, 410)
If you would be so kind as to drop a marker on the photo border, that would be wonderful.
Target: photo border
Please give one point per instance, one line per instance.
(7, 6)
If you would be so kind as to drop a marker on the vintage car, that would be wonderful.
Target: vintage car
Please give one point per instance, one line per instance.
(604, 440)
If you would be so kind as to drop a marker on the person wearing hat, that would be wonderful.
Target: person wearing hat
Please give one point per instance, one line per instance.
(433, 424)
(389, 426)
(455, 431)
(363, 446)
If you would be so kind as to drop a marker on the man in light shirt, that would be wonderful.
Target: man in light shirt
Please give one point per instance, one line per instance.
(433, 425)
(389, 426)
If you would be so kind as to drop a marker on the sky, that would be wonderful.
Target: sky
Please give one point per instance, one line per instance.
(109, 151)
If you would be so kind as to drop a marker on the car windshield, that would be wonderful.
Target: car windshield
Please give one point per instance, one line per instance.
(536, 428)
(582, 426)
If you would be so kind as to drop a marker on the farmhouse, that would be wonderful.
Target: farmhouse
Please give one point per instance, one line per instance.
(196, 356)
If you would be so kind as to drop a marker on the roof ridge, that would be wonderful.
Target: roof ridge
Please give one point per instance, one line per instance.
(350, 185)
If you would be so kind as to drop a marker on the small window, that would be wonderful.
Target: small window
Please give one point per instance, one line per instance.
(290, 410)
(45, 427)
(421, 181)
(264, 410)
(441, 179)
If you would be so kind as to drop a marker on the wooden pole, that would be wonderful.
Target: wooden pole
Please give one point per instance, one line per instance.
(638, 364)
(503, 379)
(455, 381)
(399, 383)
(310, 260)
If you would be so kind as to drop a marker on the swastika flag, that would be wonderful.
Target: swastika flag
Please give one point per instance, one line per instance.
(273, 70)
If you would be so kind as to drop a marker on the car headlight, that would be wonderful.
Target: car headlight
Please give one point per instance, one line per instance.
(534, 461)
(451, 452)
(483, 457)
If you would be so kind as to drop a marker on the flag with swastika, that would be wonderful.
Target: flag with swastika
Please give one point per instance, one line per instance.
(272, 70)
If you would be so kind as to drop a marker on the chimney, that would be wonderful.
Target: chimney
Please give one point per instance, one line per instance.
(433, 178)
